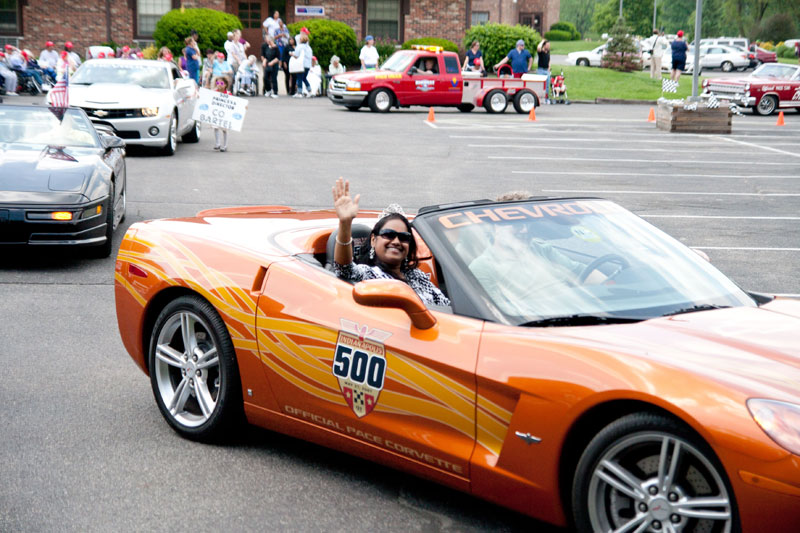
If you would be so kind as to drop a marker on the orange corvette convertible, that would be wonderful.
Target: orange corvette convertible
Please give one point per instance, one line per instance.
(590, 370)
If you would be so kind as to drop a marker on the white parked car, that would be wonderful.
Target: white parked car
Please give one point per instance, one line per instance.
(587, 58)
(723, 57)
(145, 102)
(742, 42)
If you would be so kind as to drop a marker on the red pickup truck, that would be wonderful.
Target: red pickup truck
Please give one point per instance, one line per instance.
(429, 76)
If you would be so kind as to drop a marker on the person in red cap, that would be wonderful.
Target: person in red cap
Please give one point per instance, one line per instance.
(9, 76)
(679, 49)
(48, 59)
(74, 59)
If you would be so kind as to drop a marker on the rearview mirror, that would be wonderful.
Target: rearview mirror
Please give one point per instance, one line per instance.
(394, 294)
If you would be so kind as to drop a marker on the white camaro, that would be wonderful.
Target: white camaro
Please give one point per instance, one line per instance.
(145, 102)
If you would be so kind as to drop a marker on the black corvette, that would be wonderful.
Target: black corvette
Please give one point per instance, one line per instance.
(61, 182)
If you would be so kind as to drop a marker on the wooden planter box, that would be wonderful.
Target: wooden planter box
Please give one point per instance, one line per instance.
(675, 118)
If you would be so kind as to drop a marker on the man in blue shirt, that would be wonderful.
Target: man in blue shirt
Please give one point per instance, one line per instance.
(521, 60)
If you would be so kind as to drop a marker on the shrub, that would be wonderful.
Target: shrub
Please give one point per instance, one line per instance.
(621, 53)
(450, 46)
(785, 51)
(558, 35)
(768, 45)
(151, 52)
(212, 27)
(386, 47)
(328, 38)
(498, 39)
(568, 27)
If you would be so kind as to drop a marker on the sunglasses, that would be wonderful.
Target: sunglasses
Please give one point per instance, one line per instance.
(391, 234)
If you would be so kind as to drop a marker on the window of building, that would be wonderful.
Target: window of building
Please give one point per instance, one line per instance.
(383, 19)
(148, 13)
(480, 17)
(250, 14)
(534, 20)
(9, 17)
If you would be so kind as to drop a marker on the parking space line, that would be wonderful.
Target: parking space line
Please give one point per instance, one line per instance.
(721, 217)
(723, 176)
(748, 248)
(677, 193)
(431, 124)
(605, 149)
(786, 294)
(769, 148)
(616, 160)
(594, 140)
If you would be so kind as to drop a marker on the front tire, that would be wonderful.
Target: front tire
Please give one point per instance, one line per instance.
(648, 472)
(193, 370)
(767, 105)
(380, 101)
(193, 135)
(582, 62)
(104, 250)
(726, 66)
(495, 102)
(353, 107)
(172, 136)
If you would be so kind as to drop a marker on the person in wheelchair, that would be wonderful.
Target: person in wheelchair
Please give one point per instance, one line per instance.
(246, 78)
(29, 78)
(7, 76)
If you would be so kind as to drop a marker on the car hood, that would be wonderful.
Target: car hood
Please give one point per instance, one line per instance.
(366, 76)
(115, 96)
(37, 173)
(755, 350)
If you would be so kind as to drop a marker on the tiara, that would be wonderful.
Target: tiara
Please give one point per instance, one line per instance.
(392, 209)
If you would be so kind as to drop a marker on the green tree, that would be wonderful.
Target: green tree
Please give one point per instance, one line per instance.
(638, 15)
(579, 12)
(621, 53)
(211, 25)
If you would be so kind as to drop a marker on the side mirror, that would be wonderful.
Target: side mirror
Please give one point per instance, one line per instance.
(702, 254)
(112, 141)
(412, 70)
(395, 294)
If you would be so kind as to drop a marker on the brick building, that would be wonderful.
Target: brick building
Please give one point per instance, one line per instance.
(29, 23)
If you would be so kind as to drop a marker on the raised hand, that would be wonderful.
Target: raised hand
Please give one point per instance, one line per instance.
(346, 207)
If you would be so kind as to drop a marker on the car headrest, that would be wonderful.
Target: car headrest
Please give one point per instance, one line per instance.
(360, 234)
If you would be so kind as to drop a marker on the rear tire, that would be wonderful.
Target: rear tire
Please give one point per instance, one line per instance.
(495, 102)
(197, 388)
(380, 101)
(193, 135)
(726, 66)
(524, 101)
(465, 108)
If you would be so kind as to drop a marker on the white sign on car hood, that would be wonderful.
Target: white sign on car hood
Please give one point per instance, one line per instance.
(115, 95)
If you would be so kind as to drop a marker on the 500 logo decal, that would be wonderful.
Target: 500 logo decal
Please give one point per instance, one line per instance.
(360, 367)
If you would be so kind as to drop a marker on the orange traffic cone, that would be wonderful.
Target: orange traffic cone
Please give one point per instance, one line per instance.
(652, 116)
(431, 115)
(780, 120)
(532, 114)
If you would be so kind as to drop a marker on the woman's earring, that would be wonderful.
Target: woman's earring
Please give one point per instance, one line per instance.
(372, 253)
(405, 263)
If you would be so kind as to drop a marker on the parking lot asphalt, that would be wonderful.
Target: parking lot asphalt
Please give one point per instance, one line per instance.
(83, 447)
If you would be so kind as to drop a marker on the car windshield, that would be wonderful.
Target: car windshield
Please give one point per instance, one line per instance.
(42, 126)
(775, 71)
(398, 62)
(147, 76)
(537, 261)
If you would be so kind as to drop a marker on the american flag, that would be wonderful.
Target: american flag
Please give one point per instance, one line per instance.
(59, 95)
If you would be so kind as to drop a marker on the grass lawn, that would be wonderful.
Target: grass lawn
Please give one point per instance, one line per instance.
(565, 47)
(588, 83)
(781, 60)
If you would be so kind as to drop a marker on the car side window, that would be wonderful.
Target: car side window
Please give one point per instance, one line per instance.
(451, 65)
(427, 64)
(175, 74)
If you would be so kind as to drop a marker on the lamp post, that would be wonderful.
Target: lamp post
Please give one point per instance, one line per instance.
(654, 14)
(698, 24)
(620, 8)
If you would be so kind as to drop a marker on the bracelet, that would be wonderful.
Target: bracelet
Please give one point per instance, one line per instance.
(348, 243)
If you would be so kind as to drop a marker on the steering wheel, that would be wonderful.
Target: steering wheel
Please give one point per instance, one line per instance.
(608, 258)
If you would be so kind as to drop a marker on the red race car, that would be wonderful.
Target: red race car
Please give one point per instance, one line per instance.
(770, 87)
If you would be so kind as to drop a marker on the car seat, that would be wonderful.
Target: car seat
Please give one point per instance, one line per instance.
(360, 234)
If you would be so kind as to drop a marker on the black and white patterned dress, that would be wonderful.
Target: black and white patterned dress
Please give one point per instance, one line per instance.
(416, 279)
